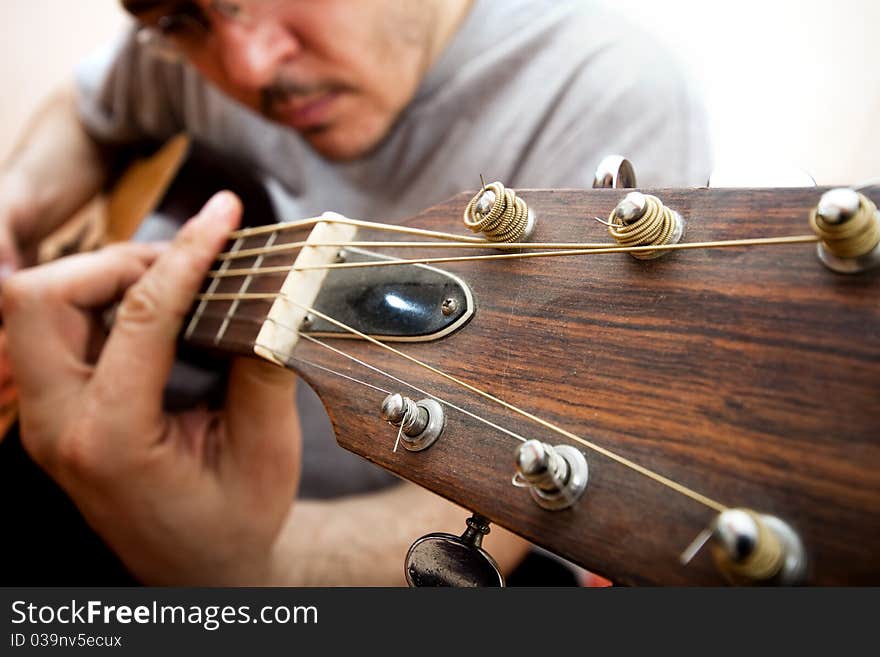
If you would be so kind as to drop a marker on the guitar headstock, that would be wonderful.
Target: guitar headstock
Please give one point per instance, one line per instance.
(719, 376)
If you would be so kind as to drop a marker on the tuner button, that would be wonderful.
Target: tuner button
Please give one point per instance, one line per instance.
(737, 533)
(753, 548)
(393, 409)
(485, 202)
(531, 458)
(442, 559)
(838, 205)
(555, 476)
(632, 207)
(614, 172)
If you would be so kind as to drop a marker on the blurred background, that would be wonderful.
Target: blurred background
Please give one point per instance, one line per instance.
(788, 83)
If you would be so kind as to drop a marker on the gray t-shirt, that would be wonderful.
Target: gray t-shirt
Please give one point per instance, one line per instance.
(536, 104)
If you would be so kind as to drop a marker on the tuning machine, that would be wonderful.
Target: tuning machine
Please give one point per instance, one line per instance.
(420, 423)
(847, 224)
(614, 172)
(555, 476)
(752, 548)
(442, 559)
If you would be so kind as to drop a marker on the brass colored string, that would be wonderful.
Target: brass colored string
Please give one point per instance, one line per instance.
(684, 490)
(669, 483)
(654, 227)
(762, 241)
(563, 249)
(236, 296)
(306, 336)
(762, 564)
(506, 220)
(339, 219)
(293, 246)
(852, 238)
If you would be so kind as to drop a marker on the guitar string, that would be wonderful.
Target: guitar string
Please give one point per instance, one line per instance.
(684, 490)
(445, 402)
(680, 488)
(339, 219)
(378, 370)
(762, 241)
(293, 246)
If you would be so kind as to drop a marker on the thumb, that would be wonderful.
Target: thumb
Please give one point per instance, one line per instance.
(263, 427)
(140, 351)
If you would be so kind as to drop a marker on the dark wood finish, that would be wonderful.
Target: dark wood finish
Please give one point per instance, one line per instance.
(751, 375)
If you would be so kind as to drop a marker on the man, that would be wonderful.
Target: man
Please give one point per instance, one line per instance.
(375, 109)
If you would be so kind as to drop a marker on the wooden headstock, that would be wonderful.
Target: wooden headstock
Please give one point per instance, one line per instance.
(750, 375)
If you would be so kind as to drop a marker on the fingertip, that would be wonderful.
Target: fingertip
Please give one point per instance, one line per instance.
(223, 208)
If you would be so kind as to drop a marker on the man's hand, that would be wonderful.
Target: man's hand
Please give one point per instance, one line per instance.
(195, 498)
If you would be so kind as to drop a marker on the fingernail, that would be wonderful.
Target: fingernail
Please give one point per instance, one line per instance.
(6, 270)
(222, 207)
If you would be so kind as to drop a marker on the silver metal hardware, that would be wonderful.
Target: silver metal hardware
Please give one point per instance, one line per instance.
(555, 476)
(736, 533)
(838, 205)
(632, 207)
(485, 202)
(341, 255)
(449, 306)
(421, 422)
(307, 321)
(869, 260)
(442, 559)
(614, 172)
(392, 304)
(531, 222)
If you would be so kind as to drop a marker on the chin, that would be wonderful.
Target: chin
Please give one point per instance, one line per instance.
(341, 145)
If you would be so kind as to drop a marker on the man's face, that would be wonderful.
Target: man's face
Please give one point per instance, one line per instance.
(337, 71)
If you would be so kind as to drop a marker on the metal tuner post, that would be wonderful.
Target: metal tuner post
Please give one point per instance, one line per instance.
(753, 548)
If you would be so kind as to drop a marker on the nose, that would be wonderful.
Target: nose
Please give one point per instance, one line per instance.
(251, 54)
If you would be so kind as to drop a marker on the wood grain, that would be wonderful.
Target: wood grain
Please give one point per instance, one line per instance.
(751, 375)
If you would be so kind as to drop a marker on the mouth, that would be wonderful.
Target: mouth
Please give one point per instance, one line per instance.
(306, 112)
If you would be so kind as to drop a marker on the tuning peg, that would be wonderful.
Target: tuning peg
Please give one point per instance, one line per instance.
(847, 224)
(420, 423)
(498, 213)
(641, 220)
(442, 559)
(753, 548)
(555, 476)
(614, 172)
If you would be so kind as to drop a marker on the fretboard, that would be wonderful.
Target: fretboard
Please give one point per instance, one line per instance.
(235, 306)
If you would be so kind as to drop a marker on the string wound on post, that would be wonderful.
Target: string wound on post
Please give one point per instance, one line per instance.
(752, 548)
(499, 214)
(642, 220)
(847, 224)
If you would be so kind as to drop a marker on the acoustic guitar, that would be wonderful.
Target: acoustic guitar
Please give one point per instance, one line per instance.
(694, 367)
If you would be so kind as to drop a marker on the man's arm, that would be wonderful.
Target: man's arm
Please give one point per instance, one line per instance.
(54, 170)
(362, 540)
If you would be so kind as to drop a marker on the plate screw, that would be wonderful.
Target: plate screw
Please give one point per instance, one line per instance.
(449, 306)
